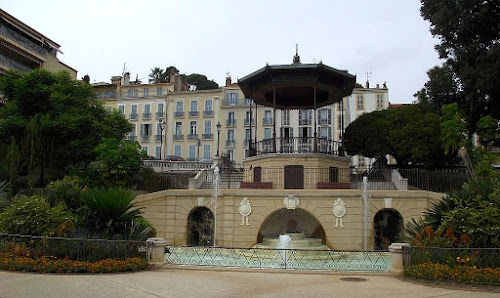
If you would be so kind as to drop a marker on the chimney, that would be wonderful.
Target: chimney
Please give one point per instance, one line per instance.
(116, 80)
(367, 84)
(228, 81)
(378, 86)
(126, 79)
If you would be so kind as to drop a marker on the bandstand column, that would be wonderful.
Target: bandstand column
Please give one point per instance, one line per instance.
(274, 119)
(315, 149)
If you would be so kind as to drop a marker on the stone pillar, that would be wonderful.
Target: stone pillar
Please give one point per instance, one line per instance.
(157, 252)
(396, 250)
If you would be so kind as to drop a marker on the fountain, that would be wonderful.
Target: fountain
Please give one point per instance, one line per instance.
(364, 196)
(297, 241)
(284, 243)
(215, 194)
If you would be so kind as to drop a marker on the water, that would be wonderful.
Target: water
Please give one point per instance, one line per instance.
(284, 243)
(215, 194)
(364, 195)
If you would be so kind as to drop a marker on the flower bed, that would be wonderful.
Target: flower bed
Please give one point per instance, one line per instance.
(459, 273)
(50, 264)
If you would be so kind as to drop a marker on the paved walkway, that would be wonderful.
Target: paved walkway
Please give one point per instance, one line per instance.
(201, 283)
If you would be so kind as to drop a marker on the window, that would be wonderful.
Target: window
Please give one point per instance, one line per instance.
(380, 101)
(158, 91)
(208, 105)
(325, 116)
(208, 127)
(158, 129)
(121, 109)
(360, 102)
(178, 150)
(147, 108)
(285, 117)
(157, 151)
(159, 107)
(179, 107)
(146, 129)
(232, 98)
(206, 150)
(108, 109)
(178, 128)
(132, 132)
(325, 133)
(247, 134)
(248, 116)
(268, 119)
(194, 106)
(192, 128)
(267, 133)
(132, 92)
(305, 117)
(145, 149)
(230, 134)
(133, 110)
(231, 121)
(145, 92)
(192, 152)
(230, 155)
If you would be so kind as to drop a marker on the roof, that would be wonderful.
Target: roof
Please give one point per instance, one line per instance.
(294, 85)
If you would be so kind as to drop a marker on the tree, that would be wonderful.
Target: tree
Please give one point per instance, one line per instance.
(488, 129)
(57, 121)
(201, 82)
(453, 129)
(157, 75)
(469, 34)
(442, 88)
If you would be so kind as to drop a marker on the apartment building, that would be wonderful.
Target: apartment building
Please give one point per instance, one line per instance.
(22, 48)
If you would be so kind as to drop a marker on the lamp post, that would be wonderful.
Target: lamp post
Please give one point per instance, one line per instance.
(162, 127)
(218, 137)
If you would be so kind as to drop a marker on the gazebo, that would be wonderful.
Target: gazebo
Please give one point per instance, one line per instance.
(296, 86)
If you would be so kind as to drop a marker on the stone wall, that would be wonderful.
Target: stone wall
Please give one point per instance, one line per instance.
(168, 211)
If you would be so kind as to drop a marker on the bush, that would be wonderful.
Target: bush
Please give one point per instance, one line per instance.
(67, 191)
(34, 216)
(460, 273)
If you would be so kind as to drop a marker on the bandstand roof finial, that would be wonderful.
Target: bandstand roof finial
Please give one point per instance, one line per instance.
(296, 58)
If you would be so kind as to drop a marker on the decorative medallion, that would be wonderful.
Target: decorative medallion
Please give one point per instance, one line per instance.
(339, 211)
(291, 202)
(245, 209)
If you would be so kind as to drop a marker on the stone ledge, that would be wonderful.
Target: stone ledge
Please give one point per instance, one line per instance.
(333, 185)
(257, 185)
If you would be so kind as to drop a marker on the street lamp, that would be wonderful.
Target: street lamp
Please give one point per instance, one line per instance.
(218, 137)
(163, 123)
(198, 142)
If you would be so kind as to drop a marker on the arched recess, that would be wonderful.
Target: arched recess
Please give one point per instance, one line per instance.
(283, 221)
(388, 227)
(200, 227)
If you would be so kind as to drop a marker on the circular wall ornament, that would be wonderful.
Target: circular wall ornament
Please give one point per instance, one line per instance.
(245, 209)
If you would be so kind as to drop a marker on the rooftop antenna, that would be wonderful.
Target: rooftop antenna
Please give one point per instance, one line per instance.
(368, 75)
(124, 66)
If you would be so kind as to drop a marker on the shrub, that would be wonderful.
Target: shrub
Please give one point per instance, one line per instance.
(34, 216)
(67, 191)
(460, 273)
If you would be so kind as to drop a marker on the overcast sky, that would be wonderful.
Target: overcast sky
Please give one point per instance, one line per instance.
(386, 38)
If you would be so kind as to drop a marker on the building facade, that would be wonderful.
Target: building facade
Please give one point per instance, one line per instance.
(22, 48)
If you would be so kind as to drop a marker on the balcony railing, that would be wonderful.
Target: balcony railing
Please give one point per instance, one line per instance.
(144, 138)
(12, 64)
(158, 138)
(192, 136)
(133, 116)
(146, 115)
(297, 145)
(178, 114)
(247, 122)
(20, 39)
(178, 137)
(132, 138)
(230, 143)
(231, 122)
(236, 102)
(193, 113)
(207, 136)
(267, 121)
(208, 113)
(160, 115)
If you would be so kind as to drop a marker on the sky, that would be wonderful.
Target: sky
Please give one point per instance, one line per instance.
(384, 41)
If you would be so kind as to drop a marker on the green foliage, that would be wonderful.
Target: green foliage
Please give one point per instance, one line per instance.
(4, 197)
(118, 163)
(453, 129)
(488, 129)
(441, 89)
(201, 82)
(13, 159)
(110, 212)
(34, 216)
(368, 135)
(67, 191)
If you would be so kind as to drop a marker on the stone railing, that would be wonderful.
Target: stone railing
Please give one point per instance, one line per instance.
(177, 166)
(204, 175)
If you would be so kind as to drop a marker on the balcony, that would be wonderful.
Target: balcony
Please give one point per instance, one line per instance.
(207, 136)
(247, 122)
(230, 143)
(132, 138)
(133, 116)
(178, 114)
(267, 121)
(9, 63)
(232, 102)
(192, 136)
(231, 122)
(160, 115)
(144, 138)
(23, 41)
(208, 113)
(193, 113)
(178, 137)
(146, 115)
(158, 138)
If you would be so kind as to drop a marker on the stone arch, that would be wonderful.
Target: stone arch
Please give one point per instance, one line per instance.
(388, 227)
(283, 221)
(200, 227)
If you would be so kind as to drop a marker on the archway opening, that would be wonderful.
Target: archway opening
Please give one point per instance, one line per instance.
(200, 227)
(293, 222)
(388, 228)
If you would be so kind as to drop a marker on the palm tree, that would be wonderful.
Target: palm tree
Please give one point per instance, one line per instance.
(156, 75)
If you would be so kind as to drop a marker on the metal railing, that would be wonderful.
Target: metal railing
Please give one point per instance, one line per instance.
(144, 138)
(192, 136)
(160, 115)
(230, 143)
(246, 122)
(286, 259)
(18, 38)
(236, 102)
(178, 166)
(13, 64)
(231, 122)
(77, 249)
(207, 136)
(132, 138)
(208, 113)
(158, 138)
(178, 137)
(133, 116)
(267, 121)
(441, 180)
(468, 265)
(297, 145)
(146, 115)
(193, 113)
(178, 114)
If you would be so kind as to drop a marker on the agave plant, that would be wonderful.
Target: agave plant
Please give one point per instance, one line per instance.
(109, 212)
